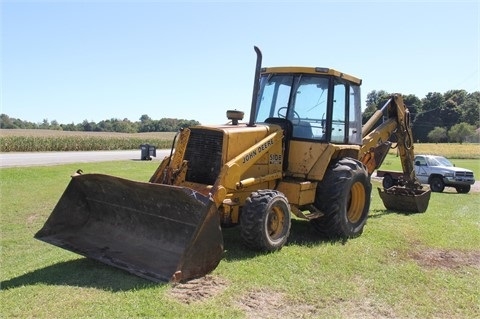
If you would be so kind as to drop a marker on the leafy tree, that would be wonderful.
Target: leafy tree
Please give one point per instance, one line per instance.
(69, 127)
(87, 126)
(146, 124)
(457, 96)
(145, 118)
(55, 126)
(105, 126)
(475, 138)
(414, 105)
(438, 134)
(6, 122)
(187, 123)
(124, 126)
(470, 109)
(429, 117)
(374, 101)
(45, 125)
(460, 131)
(450, 112)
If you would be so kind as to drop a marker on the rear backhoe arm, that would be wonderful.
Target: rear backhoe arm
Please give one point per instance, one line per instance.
(375, 142)
(409, 197)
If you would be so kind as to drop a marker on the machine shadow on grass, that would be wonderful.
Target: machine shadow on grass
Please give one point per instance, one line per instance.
(85, 272)
(301, 233)
(82, 272)
(377, 213)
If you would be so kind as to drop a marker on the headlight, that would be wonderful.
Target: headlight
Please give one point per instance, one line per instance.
(449, 174)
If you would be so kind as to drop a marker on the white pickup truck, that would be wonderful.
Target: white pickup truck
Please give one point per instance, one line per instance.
(435, 171)
(438, 172)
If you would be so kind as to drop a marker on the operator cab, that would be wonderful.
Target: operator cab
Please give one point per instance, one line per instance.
(320, 105)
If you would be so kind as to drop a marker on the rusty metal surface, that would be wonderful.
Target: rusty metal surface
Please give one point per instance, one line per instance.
(404, 199)
(155, 231)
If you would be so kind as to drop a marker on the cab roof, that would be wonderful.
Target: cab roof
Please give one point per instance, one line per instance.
(311, 70)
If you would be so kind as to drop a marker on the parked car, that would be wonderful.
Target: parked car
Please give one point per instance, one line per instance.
(439, 172)
(436, 171)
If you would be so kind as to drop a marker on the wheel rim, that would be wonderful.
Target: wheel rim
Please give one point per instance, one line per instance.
(276, 223)
(356, 202)
(436, 184)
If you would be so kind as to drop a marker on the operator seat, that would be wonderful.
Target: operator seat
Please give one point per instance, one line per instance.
(302, 130)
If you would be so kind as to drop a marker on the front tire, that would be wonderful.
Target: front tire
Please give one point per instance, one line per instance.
(344, 198)
(265, 220)
(437, 185)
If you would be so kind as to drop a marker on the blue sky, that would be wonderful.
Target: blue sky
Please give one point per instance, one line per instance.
(75, 60)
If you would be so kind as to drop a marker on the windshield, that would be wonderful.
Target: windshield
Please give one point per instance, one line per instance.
(302, 99)
(438, 161)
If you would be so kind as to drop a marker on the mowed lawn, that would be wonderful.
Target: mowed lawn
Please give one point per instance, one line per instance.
(402, 266)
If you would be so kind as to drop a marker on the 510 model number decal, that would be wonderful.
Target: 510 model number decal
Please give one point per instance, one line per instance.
(275, 159)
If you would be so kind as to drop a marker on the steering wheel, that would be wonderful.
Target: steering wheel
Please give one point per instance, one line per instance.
(284, 116)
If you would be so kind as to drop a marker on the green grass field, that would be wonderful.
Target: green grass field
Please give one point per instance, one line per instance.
(403, 266)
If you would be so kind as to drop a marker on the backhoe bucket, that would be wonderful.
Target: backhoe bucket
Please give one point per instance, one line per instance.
(158, 232)
(404, 199)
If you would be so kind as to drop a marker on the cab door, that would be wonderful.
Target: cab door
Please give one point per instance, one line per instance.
(421, 169)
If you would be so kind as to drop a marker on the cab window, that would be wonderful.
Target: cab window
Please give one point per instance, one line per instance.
(338, 113)
(310, 107)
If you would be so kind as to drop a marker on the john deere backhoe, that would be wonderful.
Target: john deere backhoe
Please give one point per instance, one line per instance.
(303, 151)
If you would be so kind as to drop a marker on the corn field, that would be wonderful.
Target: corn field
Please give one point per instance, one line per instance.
(449, 150)
(45, 141)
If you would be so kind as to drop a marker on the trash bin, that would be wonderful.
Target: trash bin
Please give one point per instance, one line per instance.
(152, 151)
(147, 151)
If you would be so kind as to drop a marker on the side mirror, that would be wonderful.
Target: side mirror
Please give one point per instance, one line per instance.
(417, 163)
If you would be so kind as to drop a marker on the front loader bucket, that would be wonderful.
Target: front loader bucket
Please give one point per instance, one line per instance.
(155, 231)
(404, 199)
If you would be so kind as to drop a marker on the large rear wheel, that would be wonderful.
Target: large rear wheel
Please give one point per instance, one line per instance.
(344, 198)
(265, 220)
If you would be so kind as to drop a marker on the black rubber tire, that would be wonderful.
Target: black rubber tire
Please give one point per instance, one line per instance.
(388, 181)
(265, 220)
(344, 198)
(436, 184)
(463, 189)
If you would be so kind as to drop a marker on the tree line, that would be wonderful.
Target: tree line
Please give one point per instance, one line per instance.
(144, 124)
(450, 117)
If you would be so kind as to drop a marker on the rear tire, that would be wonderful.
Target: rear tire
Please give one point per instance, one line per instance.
(463, 189)
(436, 184)
(265, 220)
(344, 198)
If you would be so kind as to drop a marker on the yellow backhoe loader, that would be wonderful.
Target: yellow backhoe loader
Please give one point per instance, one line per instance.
(303, 151)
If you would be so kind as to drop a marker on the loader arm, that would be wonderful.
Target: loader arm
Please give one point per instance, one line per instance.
(171, 165)
(229, 178)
